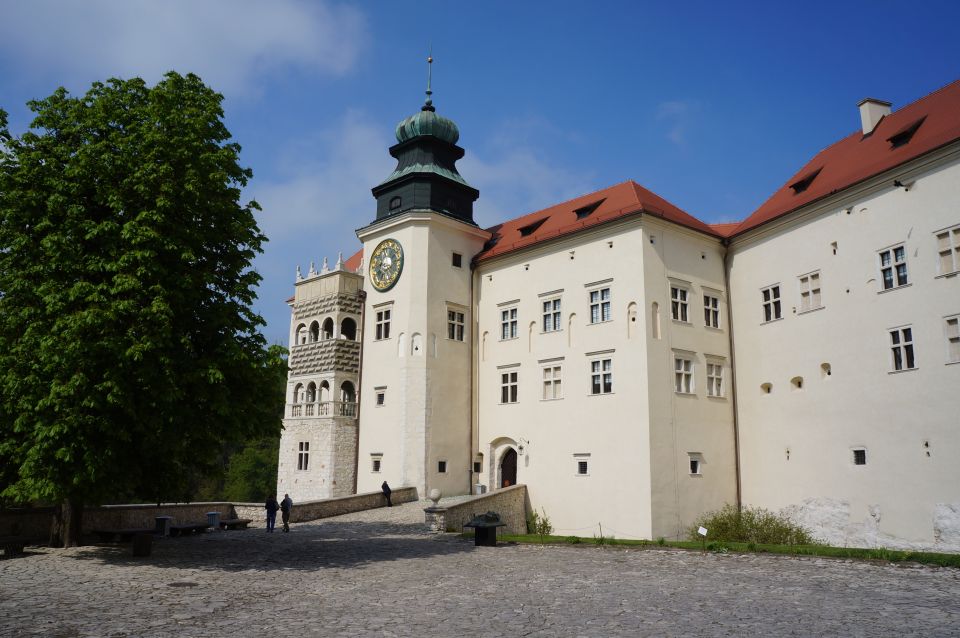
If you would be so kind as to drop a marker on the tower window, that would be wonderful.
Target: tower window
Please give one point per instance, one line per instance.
(376, 462)
(442, 467)
(303, 456)
(395, 203)
(383, 324)
(457, 260)
(860, 456)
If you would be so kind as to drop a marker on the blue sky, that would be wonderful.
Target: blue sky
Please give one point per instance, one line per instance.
(711, 105)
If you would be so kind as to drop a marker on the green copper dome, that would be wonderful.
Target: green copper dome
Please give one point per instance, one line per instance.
(427, 122)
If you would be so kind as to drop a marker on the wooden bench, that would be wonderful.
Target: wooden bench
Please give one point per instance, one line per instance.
(117, 535)
(11, 545)
(188, 528)
(235, 523)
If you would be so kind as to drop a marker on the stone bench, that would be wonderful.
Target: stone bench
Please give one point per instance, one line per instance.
(235, 523)
(188, 528)
(12, 545)
(118, 535)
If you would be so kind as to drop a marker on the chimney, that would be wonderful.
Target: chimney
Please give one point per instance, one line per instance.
(871, 112)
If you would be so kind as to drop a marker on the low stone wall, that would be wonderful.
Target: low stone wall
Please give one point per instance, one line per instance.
(34, 523)
(313, 510)
(510, 503)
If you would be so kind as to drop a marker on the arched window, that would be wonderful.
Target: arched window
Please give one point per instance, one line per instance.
(348, 329)
(311, 392)
(328, 328)
(347, 393)
(314, 332)
(324, 392)
(298, 393)
(655, 319)
(300, 336)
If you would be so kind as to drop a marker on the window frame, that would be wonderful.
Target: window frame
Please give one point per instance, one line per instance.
(581, 461)
(711, 311)
(684, 378)
(601, 375)
(952, 335)
(376, 463)
(602, 304)
(715, 382)
(382, 318)
(456, 324)
(695, 463)
(552, 315)
(775, 303)
(680, 303)
(810, 292)
(902, 349)
(509, 321)
(554, 382)
(893, 266)
(509, 386)
(303, 456)
(953, 249)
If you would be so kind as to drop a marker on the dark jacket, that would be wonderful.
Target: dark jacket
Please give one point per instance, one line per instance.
(272, 506)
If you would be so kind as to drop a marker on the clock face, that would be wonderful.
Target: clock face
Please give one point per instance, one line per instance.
(386, 264)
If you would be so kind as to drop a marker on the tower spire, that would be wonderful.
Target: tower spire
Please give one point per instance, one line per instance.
(428, 105)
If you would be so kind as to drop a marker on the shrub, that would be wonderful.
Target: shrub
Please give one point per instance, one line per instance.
(573, 540)
(751, 525)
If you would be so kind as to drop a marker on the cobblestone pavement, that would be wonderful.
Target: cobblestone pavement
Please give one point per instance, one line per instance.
(377, 573)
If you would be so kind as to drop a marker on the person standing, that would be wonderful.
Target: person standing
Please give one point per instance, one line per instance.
(271, 506)
(286, 506)
(386, 493)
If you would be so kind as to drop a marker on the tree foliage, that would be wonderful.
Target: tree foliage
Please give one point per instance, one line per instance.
(129, 352)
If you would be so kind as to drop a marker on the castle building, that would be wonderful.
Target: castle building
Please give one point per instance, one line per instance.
(634, 366)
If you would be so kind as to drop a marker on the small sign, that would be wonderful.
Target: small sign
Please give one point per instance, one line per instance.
(702, 531)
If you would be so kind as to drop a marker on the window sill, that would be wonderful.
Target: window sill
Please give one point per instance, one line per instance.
(685, 394)
(379, 340)
(514, 403)
(763, 323)
(510, 339)
(698, 475)
(886, 290)
(947, 275)
(682, 322)
(553, 399)
(714, 328)
(902, 371)
(952, 363)
(717, 398)
(550, 332)
(597, 323)
(601, 394)
(809, 310)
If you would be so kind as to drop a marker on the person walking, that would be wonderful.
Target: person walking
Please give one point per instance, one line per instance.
(286, 506)
(271, 506)
(386, 493)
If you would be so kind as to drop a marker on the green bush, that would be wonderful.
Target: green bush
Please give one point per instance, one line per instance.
(751, 525)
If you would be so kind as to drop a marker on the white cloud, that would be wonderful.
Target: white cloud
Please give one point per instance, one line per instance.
(229, 43)
(678, 115)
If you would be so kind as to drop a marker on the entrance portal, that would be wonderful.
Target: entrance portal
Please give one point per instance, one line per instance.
(508, 468)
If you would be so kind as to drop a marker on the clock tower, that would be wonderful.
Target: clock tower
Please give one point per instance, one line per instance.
(415, 391)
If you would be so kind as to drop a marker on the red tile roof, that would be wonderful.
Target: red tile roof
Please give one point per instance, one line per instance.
(725, 229)
(353, 263)
(624, 199)
(858, 157)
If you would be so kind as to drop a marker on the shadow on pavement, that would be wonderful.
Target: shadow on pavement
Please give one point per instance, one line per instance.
(308, 546)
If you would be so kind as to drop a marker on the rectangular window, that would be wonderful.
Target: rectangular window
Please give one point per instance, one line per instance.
(714, 379)
(551, 315)
(696, 463)
(455, 325)
(508, 387)
(810, 292)
(860, 457)
(771, 303)
(948, 249)
(552, 388)
(601, 376)
(303, 457)
(508, 324)
(952, 327)
(683, 375)
(442, 467)
(376, 461)
(582, 462)
(678, 304)
(457, 260)
(711, 311)
(893, 267)
(600, 305)
(901, 348)
(381, 397)
(383, 324)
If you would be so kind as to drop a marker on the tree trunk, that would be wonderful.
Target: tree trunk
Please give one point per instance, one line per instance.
(66, 526)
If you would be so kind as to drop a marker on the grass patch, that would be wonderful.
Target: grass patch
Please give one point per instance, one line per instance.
(880, 553)
(751, 525)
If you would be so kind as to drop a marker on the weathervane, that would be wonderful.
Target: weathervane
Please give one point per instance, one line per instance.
(428, 105)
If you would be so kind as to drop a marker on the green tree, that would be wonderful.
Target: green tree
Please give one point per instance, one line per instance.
(252, 472)
(129, 353)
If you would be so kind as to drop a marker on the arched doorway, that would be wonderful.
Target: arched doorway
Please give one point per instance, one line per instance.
(508, 468)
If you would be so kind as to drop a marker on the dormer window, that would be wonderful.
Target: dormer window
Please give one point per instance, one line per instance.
(529, 229)
(585, 211)
(395, 203)
(904, 135)
(804, 182)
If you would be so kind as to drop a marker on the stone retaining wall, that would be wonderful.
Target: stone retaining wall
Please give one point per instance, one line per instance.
(313, 510)
(34, 523)
(510, 503)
